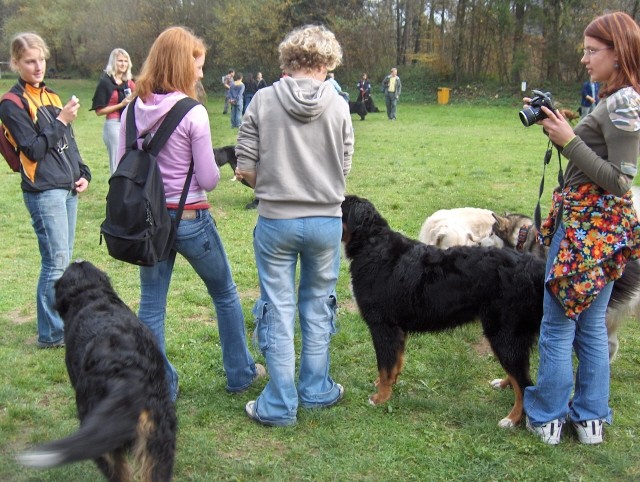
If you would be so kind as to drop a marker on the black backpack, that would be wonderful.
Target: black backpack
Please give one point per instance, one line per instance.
(137, 228)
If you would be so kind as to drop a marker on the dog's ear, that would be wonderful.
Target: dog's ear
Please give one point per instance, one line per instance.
(358, 212)
(349, 214)
(500, 225)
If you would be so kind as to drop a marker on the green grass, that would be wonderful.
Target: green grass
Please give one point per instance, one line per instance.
(441, 423)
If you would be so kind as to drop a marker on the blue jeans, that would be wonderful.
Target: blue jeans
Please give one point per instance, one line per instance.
(236, 114)
(550, 399)
(53, 216)
(246, 100)
(198, 241)
(278, 243)
(391, 102)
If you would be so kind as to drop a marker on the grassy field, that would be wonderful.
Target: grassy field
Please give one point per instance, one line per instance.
(441, 423)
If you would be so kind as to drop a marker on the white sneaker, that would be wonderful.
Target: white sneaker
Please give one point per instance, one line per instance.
(549, 432)
(589, 431)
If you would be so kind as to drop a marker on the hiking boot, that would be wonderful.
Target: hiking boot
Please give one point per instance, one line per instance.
(549, 432)
(589, 431)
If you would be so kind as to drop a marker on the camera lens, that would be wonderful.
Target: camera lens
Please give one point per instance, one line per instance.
(529, 116)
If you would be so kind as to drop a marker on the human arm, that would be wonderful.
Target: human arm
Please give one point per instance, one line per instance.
(205, 170)
(102, 102)
(617, 125)
(348, 144)
(248, 145)
(33, 143)
(114, 108)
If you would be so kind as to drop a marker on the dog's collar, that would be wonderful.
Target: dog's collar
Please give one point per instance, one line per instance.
(522, 237)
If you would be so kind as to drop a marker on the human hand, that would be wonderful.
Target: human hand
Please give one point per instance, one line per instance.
(81, 184)
(70, 111)
(557, 127)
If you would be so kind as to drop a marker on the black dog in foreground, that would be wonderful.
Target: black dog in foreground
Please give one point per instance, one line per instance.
(403, 286)
(117, 371)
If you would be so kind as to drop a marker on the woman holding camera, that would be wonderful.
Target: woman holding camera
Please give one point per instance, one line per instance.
(592, 232)
(112, 95)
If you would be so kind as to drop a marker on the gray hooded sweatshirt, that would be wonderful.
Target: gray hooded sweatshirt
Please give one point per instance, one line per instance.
(298, 137)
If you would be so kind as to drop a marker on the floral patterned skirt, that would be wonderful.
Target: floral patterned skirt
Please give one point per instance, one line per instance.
(602, 234)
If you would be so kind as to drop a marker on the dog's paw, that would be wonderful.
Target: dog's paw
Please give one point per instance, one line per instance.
(507, 423)
(376, 399)
(500, 383)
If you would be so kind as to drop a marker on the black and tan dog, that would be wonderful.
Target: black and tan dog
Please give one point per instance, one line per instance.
(117, 371)
(403, 286)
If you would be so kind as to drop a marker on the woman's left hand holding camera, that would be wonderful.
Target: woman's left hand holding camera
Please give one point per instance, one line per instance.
(557, 128)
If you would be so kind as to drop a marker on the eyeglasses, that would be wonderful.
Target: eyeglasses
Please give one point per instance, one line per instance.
(588, 52)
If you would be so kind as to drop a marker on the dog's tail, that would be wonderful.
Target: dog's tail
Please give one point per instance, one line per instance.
(111, 424)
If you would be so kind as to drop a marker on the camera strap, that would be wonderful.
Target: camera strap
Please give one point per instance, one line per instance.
(547, 159)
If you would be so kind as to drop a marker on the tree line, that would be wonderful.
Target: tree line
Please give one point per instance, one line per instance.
(503, 41)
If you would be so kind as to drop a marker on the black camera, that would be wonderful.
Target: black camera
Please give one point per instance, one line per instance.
(533, 113)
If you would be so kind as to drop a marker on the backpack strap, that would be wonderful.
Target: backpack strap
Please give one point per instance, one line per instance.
(154, 144)
(169, 124)
(131, 133)
(15, 98)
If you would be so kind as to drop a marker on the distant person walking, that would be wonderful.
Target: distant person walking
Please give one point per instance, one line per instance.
(392, 87)
(227, 80)
(589, 97)
(236, 99)
(260, 81)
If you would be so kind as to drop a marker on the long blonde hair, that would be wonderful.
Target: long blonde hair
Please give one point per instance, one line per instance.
(24, 41)
(110, 69)
(169, 67)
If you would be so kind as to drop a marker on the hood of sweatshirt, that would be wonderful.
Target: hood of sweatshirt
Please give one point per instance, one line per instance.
(304, 99)
(149, 114)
